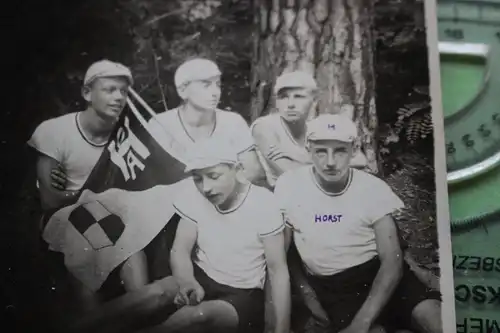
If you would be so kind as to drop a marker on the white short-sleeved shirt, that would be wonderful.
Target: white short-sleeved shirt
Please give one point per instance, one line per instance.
(62, 139)
(274, 127)
(229, 246)
(230, 127)
(334, 232)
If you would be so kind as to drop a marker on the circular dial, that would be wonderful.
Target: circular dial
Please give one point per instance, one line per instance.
(469, 32)
(469, 35)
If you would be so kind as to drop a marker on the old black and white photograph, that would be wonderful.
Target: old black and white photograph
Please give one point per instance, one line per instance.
(233, 166)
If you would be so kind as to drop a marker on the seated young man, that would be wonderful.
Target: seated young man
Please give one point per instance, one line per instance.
(70, 145)
(341, 223)
(236, 230)
(68, 148)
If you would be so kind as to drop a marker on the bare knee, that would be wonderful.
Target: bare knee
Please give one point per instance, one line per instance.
(219, 315)
(199, 316)
(427, 316)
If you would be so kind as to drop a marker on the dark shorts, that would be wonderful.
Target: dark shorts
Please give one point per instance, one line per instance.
(248, 303)
(343, 294)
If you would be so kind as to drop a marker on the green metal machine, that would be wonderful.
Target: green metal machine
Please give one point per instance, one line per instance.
(469, 45)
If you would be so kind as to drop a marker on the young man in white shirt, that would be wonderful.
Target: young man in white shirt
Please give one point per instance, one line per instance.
(198, 83)
(280, 136)
(236, 230)
(70, 145)
(342, 227)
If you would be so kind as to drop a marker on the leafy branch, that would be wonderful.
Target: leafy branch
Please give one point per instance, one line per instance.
(414, 121)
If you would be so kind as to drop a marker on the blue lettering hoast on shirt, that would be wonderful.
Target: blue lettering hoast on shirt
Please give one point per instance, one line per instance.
(327, 218)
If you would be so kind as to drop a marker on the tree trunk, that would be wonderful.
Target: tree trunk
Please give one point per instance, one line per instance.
(331, 39)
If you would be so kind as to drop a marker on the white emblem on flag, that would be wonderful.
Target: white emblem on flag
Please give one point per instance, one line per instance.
(128, 152)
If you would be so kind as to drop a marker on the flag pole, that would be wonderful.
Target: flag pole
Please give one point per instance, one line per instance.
(142, 102)
(136, 113)
(145, 105)
(164, 139)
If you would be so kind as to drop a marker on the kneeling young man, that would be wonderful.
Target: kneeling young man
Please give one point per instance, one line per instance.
(342, 227)
(236, 229)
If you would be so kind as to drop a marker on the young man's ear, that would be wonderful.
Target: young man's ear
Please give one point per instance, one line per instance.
(315, 101)
(182, 91)
(86, 93)
(240, 173)
(238, 166)
(316, 94)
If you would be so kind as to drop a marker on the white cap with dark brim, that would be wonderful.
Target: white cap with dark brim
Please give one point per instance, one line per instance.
(209, 153)
(195, 70)
(107, 68)
(295, 79)
(331, 127)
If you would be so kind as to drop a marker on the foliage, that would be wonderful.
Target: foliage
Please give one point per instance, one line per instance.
(403, 100)
(172, 31)
(417, 221)
(413, 125)
(406, 129)
(415, 120)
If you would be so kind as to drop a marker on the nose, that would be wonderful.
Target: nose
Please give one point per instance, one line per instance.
(215, 90)
(207, 188)
(291, 103)
(330, 159)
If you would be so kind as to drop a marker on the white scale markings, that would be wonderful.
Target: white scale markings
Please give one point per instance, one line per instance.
(480, 50)
(469, 49)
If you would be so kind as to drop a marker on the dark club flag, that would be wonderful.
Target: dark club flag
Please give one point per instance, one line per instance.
(126, 201)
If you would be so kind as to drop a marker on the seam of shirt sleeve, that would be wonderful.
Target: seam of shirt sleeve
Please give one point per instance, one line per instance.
(273, 232)
(42, 151)
(184, 215)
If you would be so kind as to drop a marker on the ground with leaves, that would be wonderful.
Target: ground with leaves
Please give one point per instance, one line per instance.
(153, 37)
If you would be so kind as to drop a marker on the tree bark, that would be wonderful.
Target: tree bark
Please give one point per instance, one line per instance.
(332, 39)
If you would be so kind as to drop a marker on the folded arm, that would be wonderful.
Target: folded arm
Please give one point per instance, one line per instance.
(50, 196)
(252, 169)
(267, 144)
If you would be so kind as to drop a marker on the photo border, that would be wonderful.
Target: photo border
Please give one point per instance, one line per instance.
(443, 209)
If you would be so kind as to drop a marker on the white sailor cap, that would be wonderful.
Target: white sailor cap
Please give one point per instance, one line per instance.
(295, 79)
(106, 68)
(331, 127)
(208, 153)
(195, 70)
